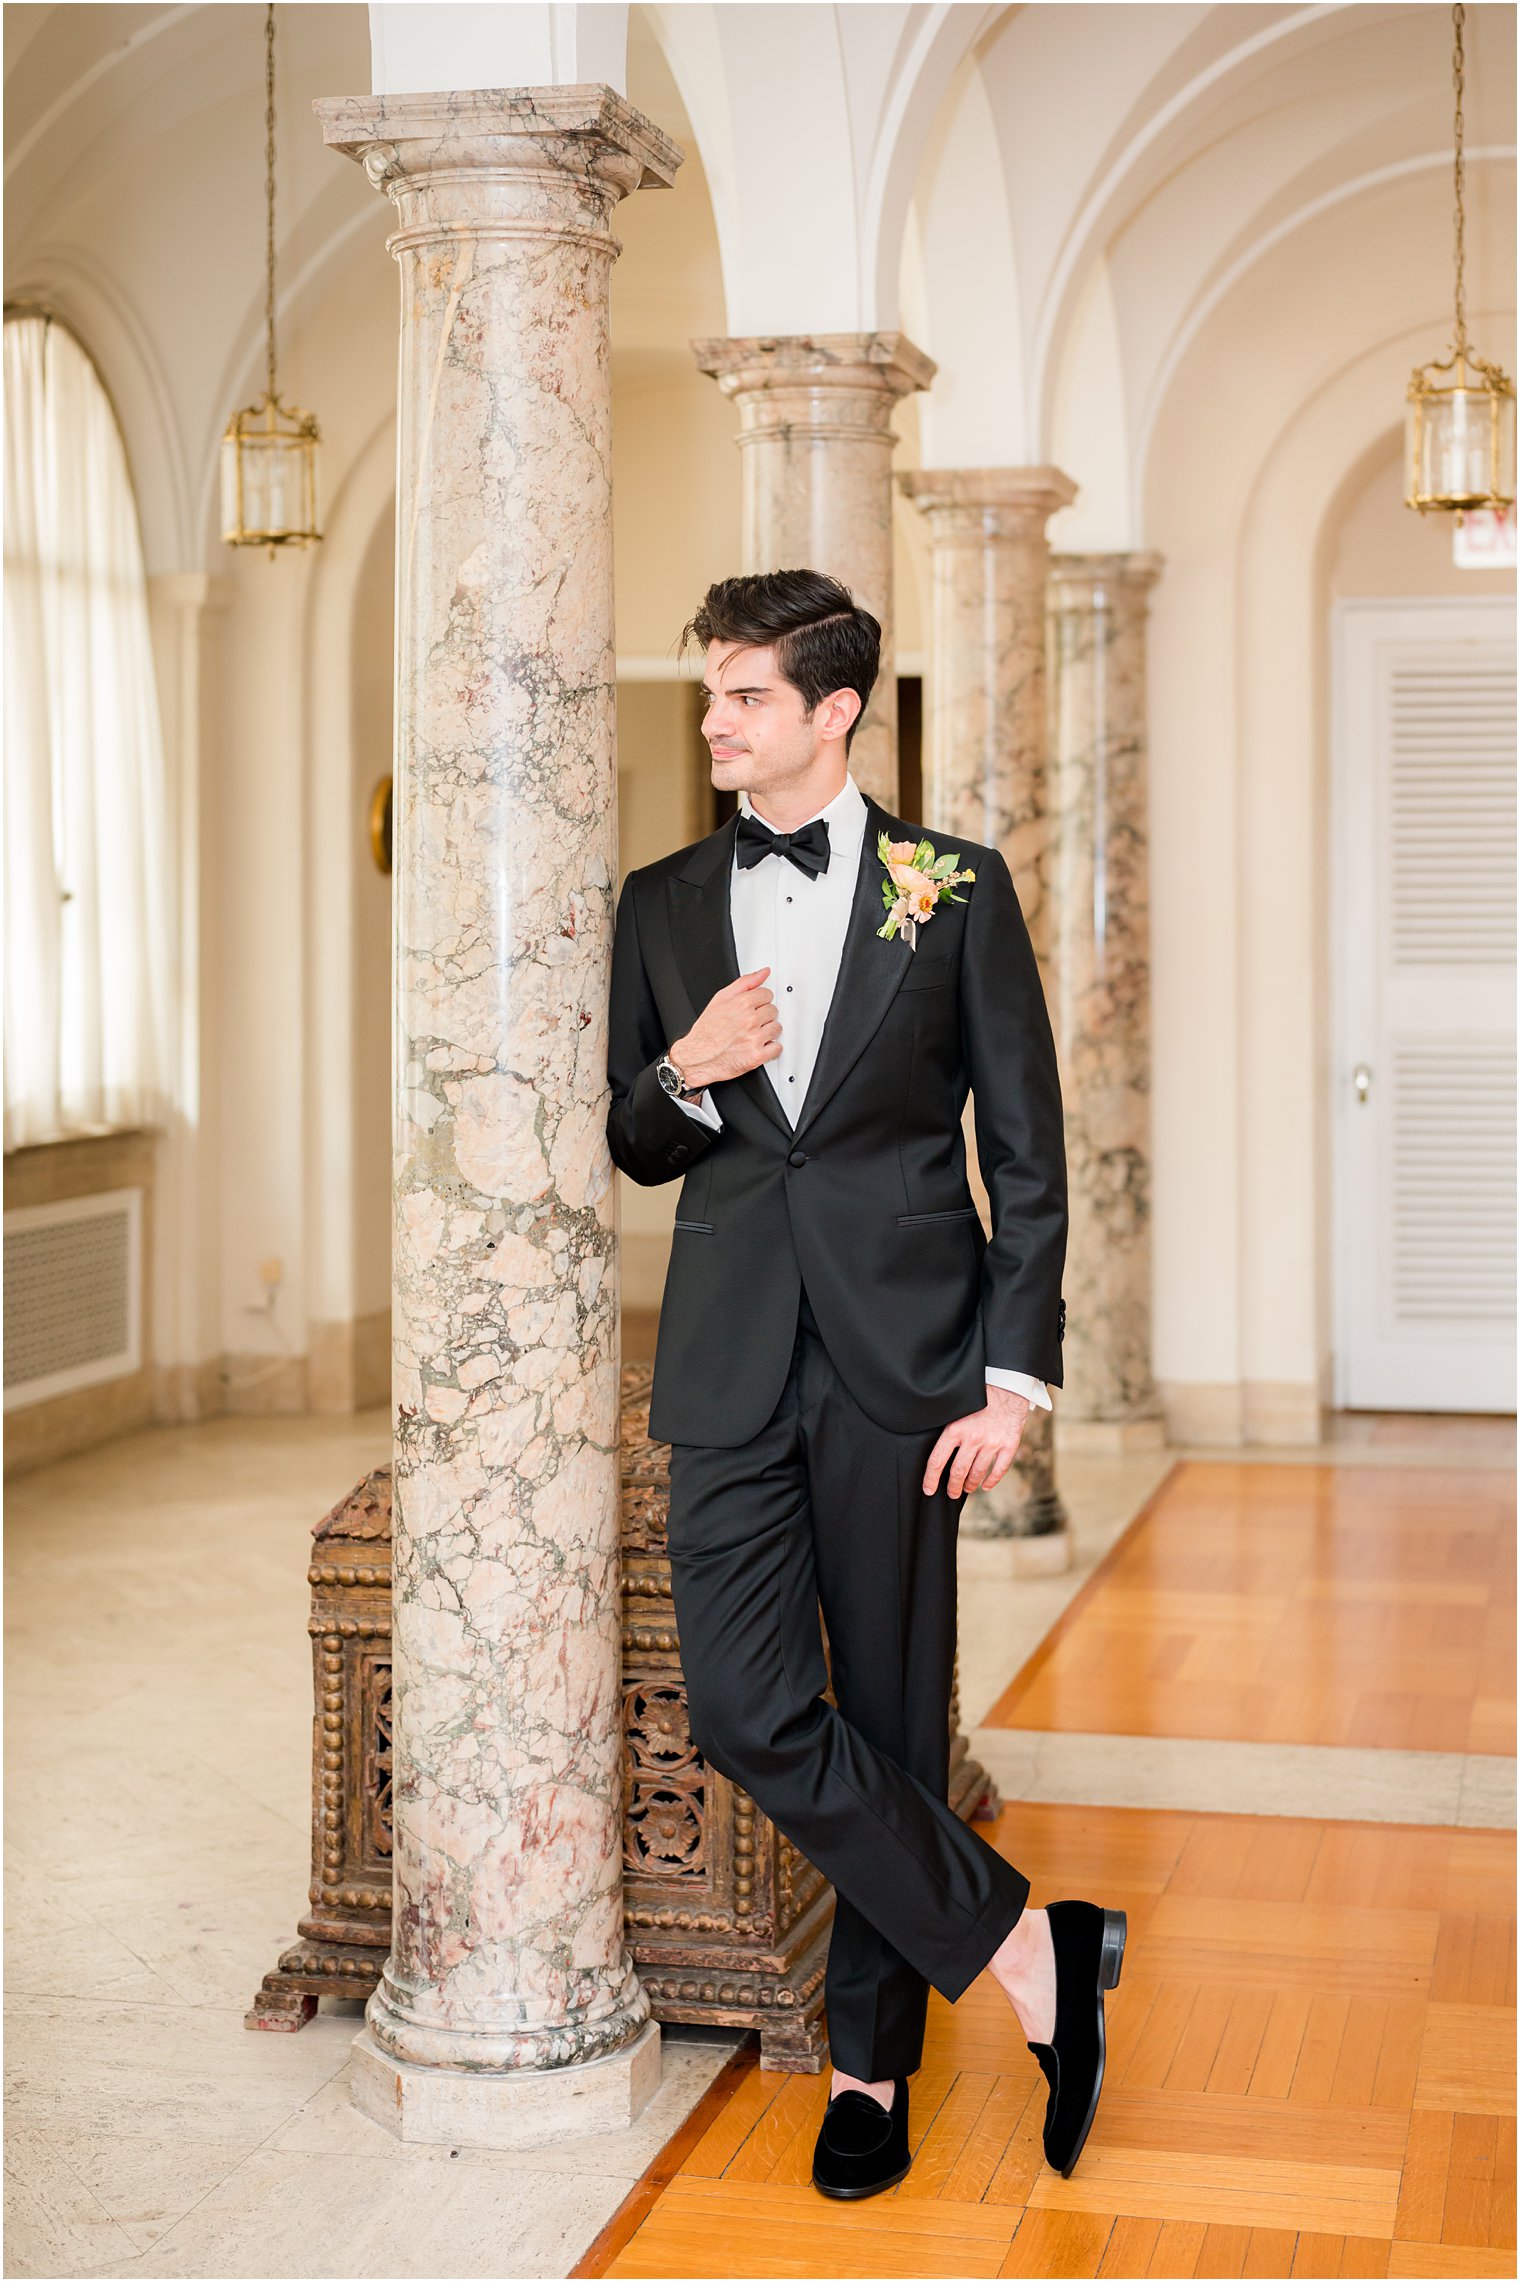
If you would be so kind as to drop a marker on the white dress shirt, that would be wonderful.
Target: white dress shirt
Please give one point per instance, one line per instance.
(794, 923)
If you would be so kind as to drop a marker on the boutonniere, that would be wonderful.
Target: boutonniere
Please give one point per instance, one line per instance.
(916, 881)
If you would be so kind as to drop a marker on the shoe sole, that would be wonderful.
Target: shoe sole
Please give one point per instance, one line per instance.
(857, 2194)
(1110, 1965)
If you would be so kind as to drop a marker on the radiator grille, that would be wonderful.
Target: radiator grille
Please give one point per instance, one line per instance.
(72, 1294)
(1454, 1182)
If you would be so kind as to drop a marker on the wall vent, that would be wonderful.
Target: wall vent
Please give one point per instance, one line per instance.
(73, 1294)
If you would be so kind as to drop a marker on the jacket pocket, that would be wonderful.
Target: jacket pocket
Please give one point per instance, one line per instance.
(697, 1227)
(921, 1219)
(927, 970)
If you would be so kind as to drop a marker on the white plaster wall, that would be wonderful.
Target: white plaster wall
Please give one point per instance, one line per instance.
(1287, 389)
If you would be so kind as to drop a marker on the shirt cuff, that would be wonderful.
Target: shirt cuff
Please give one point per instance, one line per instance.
(703, 1110)
(1020, 1383)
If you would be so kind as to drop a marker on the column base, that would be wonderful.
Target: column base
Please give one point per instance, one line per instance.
(506, 2108)
(993, 1560)
(1109, 1437)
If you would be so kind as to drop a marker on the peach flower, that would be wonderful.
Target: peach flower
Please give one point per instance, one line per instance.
(900, 852)
(906, 878)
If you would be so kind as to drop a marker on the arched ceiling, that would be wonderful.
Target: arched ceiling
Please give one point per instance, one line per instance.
(1088, 186)
(1121, 216)
(135, 203)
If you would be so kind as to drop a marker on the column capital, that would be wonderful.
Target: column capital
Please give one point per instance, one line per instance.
(1076, 579)
(986, 502)
(494, 138)
(816, 443)
(885, 364)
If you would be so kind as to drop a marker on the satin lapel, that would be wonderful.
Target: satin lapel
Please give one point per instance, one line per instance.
(870, 971)
(702, 931)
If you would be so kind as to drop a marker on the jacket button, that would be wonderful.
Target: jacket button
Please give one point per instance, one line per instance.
(679, 1154)
(797, 1157)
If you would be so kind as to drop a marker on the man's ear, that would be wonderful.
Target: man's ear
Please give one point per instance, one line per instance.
(841, 709)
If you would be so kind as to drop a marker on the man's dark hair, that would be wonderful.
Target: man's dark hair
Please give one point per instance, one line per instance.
(822, 638)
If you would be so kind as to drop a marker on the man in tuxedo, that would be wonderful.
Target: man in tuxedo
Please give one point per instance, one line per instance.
(843, 1352)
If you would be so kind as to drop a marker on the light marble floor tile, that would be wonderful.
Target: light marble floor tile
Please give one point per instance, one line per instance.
(45, 1956)
(1204, 1777)
(161, 2071)
(147, 2185)
(53, 2223)
(207, 1945)
(337, 2215)
(1488, 1794)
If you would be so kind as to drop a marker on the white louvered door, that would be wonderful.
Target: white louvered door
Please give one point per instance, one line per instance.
(1423, 924)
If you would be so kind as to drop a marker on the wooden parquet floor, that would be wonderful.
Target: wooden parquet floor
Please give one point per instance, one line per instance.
(1341, 1605)
(1311, 2072)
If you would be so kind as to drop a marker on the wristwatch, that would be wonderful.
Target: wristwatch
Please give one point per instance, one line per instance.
(674, 1083)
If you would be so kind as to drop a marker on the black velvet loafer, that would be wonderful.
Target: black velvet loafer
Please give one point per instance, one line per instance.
(862, 2146)
(1089, 1946)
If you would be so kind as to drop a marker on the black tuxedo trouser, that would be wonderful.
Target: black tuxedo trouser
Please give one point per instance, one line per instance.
(823, 1508)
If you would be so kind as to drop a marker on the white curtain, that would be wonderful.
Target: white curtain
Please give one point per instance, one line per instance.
(88, 896)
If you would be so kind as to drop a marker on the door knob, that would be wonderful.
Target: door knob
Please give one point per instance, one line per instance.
(1361, 1078)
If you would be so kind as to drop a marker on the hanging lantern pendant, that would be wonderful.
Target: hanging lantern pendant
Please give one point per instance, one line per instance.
(1459, 431)
(269, 450)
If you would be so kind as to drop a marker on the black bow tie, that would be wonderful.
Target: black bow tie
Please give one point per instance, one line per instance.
(807, 848)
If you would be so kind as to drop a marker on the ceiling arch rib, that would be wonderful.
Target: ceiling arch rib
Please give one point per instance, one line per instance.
(72, 76)
(811, 198)
(1128, 215)
(1322, 96)
(1218, 291)
(1127, 170)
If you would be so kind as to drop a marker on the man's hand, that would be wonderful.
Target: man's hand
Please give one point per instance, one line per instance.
(986, 1443)
(737, 1030)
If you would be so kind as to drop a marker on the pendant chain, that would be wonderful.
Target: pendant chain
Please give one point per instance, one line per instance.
(269, 193)
(1458, 15)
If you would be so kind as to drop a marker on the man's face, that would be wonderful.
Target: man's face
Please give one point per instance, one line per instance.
(756, 729)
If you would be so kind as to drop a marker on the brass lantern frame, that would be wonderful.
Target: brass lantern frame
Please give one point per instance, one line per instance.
(271, 425)
(1496, 390)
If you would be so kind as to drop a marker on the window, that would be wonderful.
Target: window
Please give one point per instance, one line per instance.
(88, 894)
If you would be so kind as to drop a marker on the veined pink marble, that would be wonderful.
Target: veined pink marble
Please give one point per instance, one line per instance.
(815, 431)
(1099, 964)
(508, 1945)
(985, 774)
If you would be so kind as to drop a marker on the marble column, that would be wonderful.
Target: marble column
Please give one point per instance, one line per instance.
(509, 2013)
(1100, 990)
(986, 774)
(815, 432)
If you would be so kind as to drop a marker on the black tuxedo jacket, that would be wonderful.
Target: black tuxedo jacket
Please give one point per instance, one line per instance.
(866, 1202)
